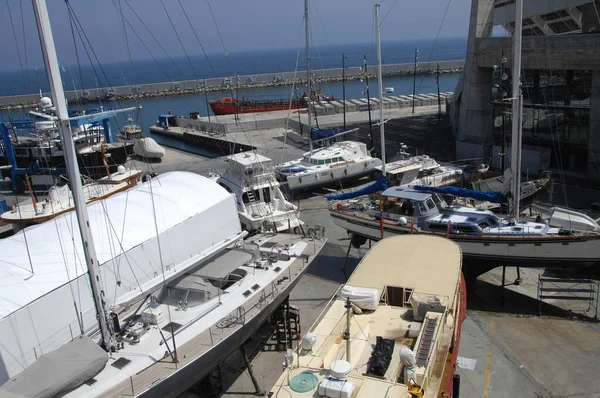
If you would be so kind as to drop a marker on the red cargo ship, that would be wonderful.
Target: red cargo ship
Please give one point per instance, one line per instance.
(232, 106)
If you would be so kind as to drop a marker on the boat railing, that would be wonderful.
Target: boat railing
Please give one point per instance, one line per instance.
(265, 178)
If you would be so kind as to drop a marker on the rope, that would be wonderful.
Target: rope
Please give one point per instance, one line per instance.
(217, 26)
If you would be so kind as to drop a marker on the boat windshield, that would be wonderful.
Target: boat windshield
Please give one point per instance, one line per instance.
(191, 297)
(325, 161)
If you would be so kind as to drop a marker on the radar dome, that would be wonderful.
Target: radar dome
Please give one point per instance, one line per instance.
(121, 169)
(45, 103)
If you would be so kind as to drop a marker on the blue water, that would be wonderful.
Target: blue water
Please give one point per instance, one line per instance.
(243, 63)
(12, 83)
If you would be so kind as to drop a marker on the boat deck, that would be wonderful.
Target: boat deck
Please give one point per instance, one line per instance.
(428, 273)
(143, 381)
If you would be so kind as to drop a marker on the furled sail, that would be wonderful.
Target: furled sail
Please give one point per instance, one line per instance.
(494, 197)
(379, 185)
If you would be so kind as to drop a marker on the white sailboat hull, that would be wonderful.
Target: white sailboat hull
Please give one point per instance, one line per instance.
(193, 372)
(513, 250)
(332, 175)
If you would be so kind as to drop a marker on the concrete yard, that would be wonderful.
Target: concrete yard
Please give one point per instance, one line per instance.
(506, 350)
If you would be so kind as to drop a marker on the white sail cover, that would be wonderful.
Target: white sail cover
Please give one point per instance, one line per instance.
(42, 310)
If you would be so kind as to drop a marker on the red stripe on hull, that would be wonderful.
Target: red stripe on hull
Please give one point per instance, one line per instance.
(220, 108)
(447, 383)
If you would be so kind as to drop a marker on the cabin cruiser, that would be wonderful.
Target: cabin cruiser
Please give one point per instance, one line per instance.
(481, 234)
(411, 170)
(341, 161)
(261, 204)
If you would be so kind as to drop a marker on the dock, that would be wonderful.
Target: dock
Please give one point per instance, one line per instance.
(227, 83)
(243, 132)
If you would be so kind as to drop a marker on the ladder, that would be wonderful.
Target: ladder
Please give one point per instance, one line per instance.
(426, 341)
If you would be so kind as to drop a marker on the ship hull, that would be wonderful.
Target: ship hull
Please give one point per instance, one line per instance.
(221, 108)
(186, 377)
(332, 176)
(91, 164)
(555, 251)
(448, 378)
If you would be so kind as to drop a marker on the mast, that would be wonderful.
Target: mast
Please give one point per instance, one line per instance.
(380, 79)
(371, 143)
(517, 111)
(308, 80)
(344, 86)
(56, 89)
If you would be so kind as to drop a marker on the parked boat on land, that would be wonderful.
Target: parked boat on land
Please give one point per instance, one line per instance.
(140, 294)
(481, 234)
(409, 170)
(329, 165)
(393, 330)
(59, 199)
(38, 141)
(261, 204)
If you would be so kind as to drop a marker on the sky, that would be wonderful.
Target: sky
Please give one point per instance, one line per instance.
(244, 26)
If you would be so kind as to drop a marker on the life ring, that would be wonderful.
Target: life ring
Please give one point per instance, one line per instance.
(340, 207)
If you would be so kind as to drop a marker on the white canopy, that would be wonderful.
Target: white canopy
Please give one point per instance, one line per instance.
(119, 224)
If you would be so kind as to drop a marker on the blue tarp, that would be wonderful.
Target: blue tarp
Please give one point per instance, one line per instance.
(293, 170)
(379, 185)
(319, 134)
(494, 197)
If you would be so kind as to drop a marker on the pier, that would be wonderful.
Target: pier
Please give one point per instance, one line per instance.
(228, 84)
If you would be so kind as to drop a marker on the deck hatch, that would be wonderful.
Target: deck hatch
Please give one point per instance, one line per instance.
(121, 363)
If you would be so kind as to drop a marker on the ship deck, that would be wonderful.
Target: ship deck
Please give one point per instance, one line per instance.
(406, 271)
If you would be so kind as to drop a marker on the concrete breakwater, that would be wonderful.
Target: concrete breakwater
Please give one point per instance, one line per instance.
(228, 84)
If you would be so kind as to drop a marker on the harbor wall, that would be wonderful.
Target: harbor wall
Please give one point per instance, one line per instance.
(226, 84)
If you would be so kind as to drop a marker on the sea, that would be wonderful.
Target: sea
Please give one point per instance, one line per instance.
(242, 63)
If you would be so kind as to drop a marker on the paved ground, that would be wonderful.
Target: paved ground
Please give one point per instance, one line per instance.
(507, 349)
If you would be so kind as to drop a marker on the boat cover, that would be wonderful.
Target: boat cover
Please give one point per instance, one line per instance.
(63, 369)
(148, 148)
(319, 134)
(363, 297)
(379, 185)
(494, 197)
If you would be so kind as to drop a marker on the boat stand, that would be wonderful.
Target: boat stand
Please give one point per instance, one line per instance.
(351, 240)
(517, 282)
(257, 389)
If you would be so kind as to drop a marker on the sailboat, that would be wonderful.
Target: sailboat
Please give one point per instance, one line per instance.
(330, 164)
(140, 294)
(59, 199)
(482, 235)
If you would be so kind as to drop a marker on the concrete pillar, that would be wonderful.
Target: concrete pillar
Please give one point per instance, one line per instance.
(472, 96)
(594, 137)
(589, 18)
